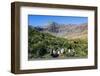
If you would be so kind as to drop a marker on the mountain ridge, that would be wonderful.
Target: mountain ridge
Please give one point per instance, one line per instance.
(65, 30)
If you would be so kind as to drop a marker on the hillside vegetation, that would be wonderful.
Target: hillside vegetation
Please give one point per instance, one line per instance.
(41, 45)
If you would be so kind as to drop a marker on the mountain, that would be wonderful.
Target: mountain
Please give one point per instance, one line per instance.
(65, 30)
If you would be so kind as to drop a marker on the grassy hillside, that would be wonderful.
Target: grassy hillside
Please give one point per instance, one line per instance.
(82, 35)
(40, 45)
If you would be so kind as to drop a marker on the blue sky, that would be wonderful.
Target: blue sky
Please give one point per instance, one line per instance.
(41, 20)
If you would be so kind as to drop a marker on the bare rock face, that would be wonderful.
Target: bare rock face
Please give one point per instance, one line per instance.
(53, 27)
(63, 30)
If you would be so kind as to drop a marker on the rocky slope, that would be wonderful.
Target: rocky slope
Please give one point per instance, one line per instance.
(65, 30)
